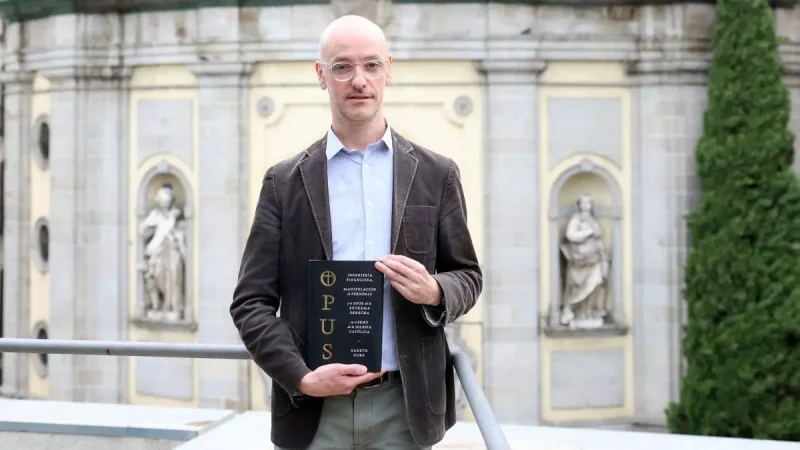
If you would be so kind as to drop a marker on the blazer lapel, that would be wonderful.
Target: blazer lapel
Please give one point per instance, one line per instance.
(314, 171)
(405, 168)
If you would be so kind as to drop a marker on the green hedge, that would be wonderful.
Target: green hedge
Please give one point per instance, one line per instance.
(742, 343)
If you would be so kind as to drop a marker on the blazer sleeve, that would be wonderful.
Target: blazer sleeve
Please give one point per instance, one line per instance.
(457, 269)
(256, 298)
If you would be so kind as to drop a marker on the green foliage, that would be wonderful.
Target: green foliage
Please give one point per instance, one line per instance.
(742, 344)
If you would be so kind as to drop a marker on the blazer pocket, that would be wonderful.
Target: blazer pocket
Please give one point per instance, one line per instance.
(434, 364)
(419, 229)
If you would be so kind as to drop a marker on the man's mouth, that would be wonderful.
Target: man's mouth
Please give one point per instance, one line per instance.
(359, 97)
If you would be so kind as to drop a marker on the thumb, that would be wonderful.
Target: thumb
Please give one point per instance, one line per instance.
(353, 369)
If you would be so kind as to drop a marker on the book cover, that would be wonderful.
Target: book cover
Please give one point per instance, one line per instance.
(345, 314)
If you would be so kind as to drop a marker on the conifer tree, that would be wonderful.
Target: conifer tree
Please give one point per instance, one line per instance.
(742, 341)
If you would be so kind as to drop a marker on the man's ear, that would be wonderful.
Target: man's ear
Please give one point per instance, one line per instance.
(389, 71)
(320, 76)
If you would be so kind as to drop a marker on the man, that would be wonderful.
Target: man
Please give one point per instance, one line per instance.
(360, 192)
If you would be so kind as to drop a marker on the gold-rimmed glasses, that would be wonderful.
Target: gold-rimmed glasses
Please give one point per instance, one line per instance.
(345, 71)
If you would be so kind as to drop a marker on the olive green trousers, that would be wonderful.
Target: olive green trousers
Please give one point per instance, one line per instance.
(367, 419)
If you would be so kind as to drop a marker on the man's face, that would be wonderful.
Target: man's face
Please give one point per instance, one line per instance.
(164, 197)
(366, 58)
(585, 204)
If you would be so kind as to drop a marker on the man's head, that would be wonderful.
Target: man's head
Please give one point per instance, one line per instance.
(585, 203)
(354, 66)
(164, 196)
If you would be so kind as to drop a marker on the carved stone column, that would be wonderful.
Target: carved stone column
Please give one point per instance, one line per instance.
(222, 214)
(512, 242)
(16, 225)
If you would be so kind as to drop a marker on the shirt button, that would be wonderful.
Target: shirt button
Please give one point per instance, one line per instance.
(369, 204)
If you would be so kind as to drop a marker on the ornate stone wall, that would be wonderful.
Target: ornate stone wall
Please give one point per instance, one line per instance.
(193, 92)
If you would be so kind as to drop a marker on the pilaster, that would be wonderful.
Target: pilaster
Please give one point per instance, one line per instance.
(88, 198)
(16, 225)
(668, 120)
(511, 262)
(792, 65)
(222, 214)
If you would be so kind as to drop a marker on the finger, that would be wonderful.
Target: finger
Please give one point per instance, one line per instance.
(390, 273)
(400, 268)
(408, 267)
(403, 290)
(376, 374)
(355, 381)
(353, 369)
(406, 261)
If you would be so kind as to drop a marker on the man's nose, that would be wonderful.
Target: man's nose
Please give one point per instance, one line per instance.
(359, 81)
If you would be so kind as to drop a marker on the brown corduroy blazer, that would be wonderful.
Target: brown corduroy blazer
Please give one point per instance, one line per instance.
(292, 226)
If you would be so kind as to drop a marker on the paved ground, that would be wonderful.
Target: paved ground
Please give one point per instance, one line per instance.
(45, 425)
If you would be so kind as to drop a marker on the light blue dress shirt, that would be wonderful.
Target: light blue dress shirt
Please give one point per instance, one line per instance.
(360, 196)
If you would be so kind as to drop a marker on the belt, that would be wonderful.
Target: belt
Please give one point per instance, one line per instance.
(385, 378)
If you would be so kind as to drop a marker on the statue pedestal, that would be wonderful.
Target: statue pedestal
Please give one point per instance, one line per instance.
(587, 323)
(164, 322)
(582, 328)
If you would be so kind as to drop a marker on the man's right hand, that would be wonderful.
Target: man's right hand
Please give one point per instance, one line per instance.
(335, 379)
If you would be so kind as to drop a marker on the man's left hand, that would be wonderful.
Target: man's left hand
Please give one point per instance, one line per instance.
(411, 279)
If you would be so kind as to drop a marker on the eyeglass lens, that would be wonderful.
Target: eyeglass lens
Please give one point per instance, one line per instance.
(345, 71)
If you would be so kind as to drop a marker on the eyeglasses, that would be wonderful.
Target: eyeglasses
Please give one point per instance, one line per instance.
(346, 71)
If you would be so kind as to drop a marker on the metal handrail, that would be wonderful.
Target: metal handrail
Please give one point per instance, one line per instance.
(484, 416)
(487, 422)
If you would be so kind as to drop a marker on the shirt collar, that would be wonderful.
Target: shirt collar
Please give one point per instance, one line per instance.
(334, 145)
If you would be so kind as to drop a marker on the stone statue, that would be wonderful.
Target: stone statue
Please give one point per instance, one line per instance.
(584, 303)
(164, 236)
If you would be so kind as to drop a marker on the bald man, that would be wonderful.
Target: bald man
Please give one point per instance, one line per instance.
(361, 192)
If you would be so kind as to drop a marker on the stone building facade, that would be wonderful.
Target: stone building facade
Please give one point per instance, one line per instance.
(123, 129)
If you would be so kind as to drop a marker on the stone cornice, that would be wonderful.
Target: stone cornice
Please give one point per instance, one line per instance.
(85, 73)
(16, 82)
(659, 39)
(511, 71)
(622, 48)
(493, 56)
(683, 66)
(217, 74)
(13, 78)
(511, 66)
(24, 10)
(698, 61)
(221, 69)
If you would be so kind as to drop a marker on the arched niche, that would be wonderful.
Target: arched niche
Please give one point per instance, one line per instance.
(164, 251)
(607, 211)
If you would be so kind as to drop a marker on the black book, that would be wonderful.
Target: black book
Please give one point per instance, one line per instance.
(345, 314)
